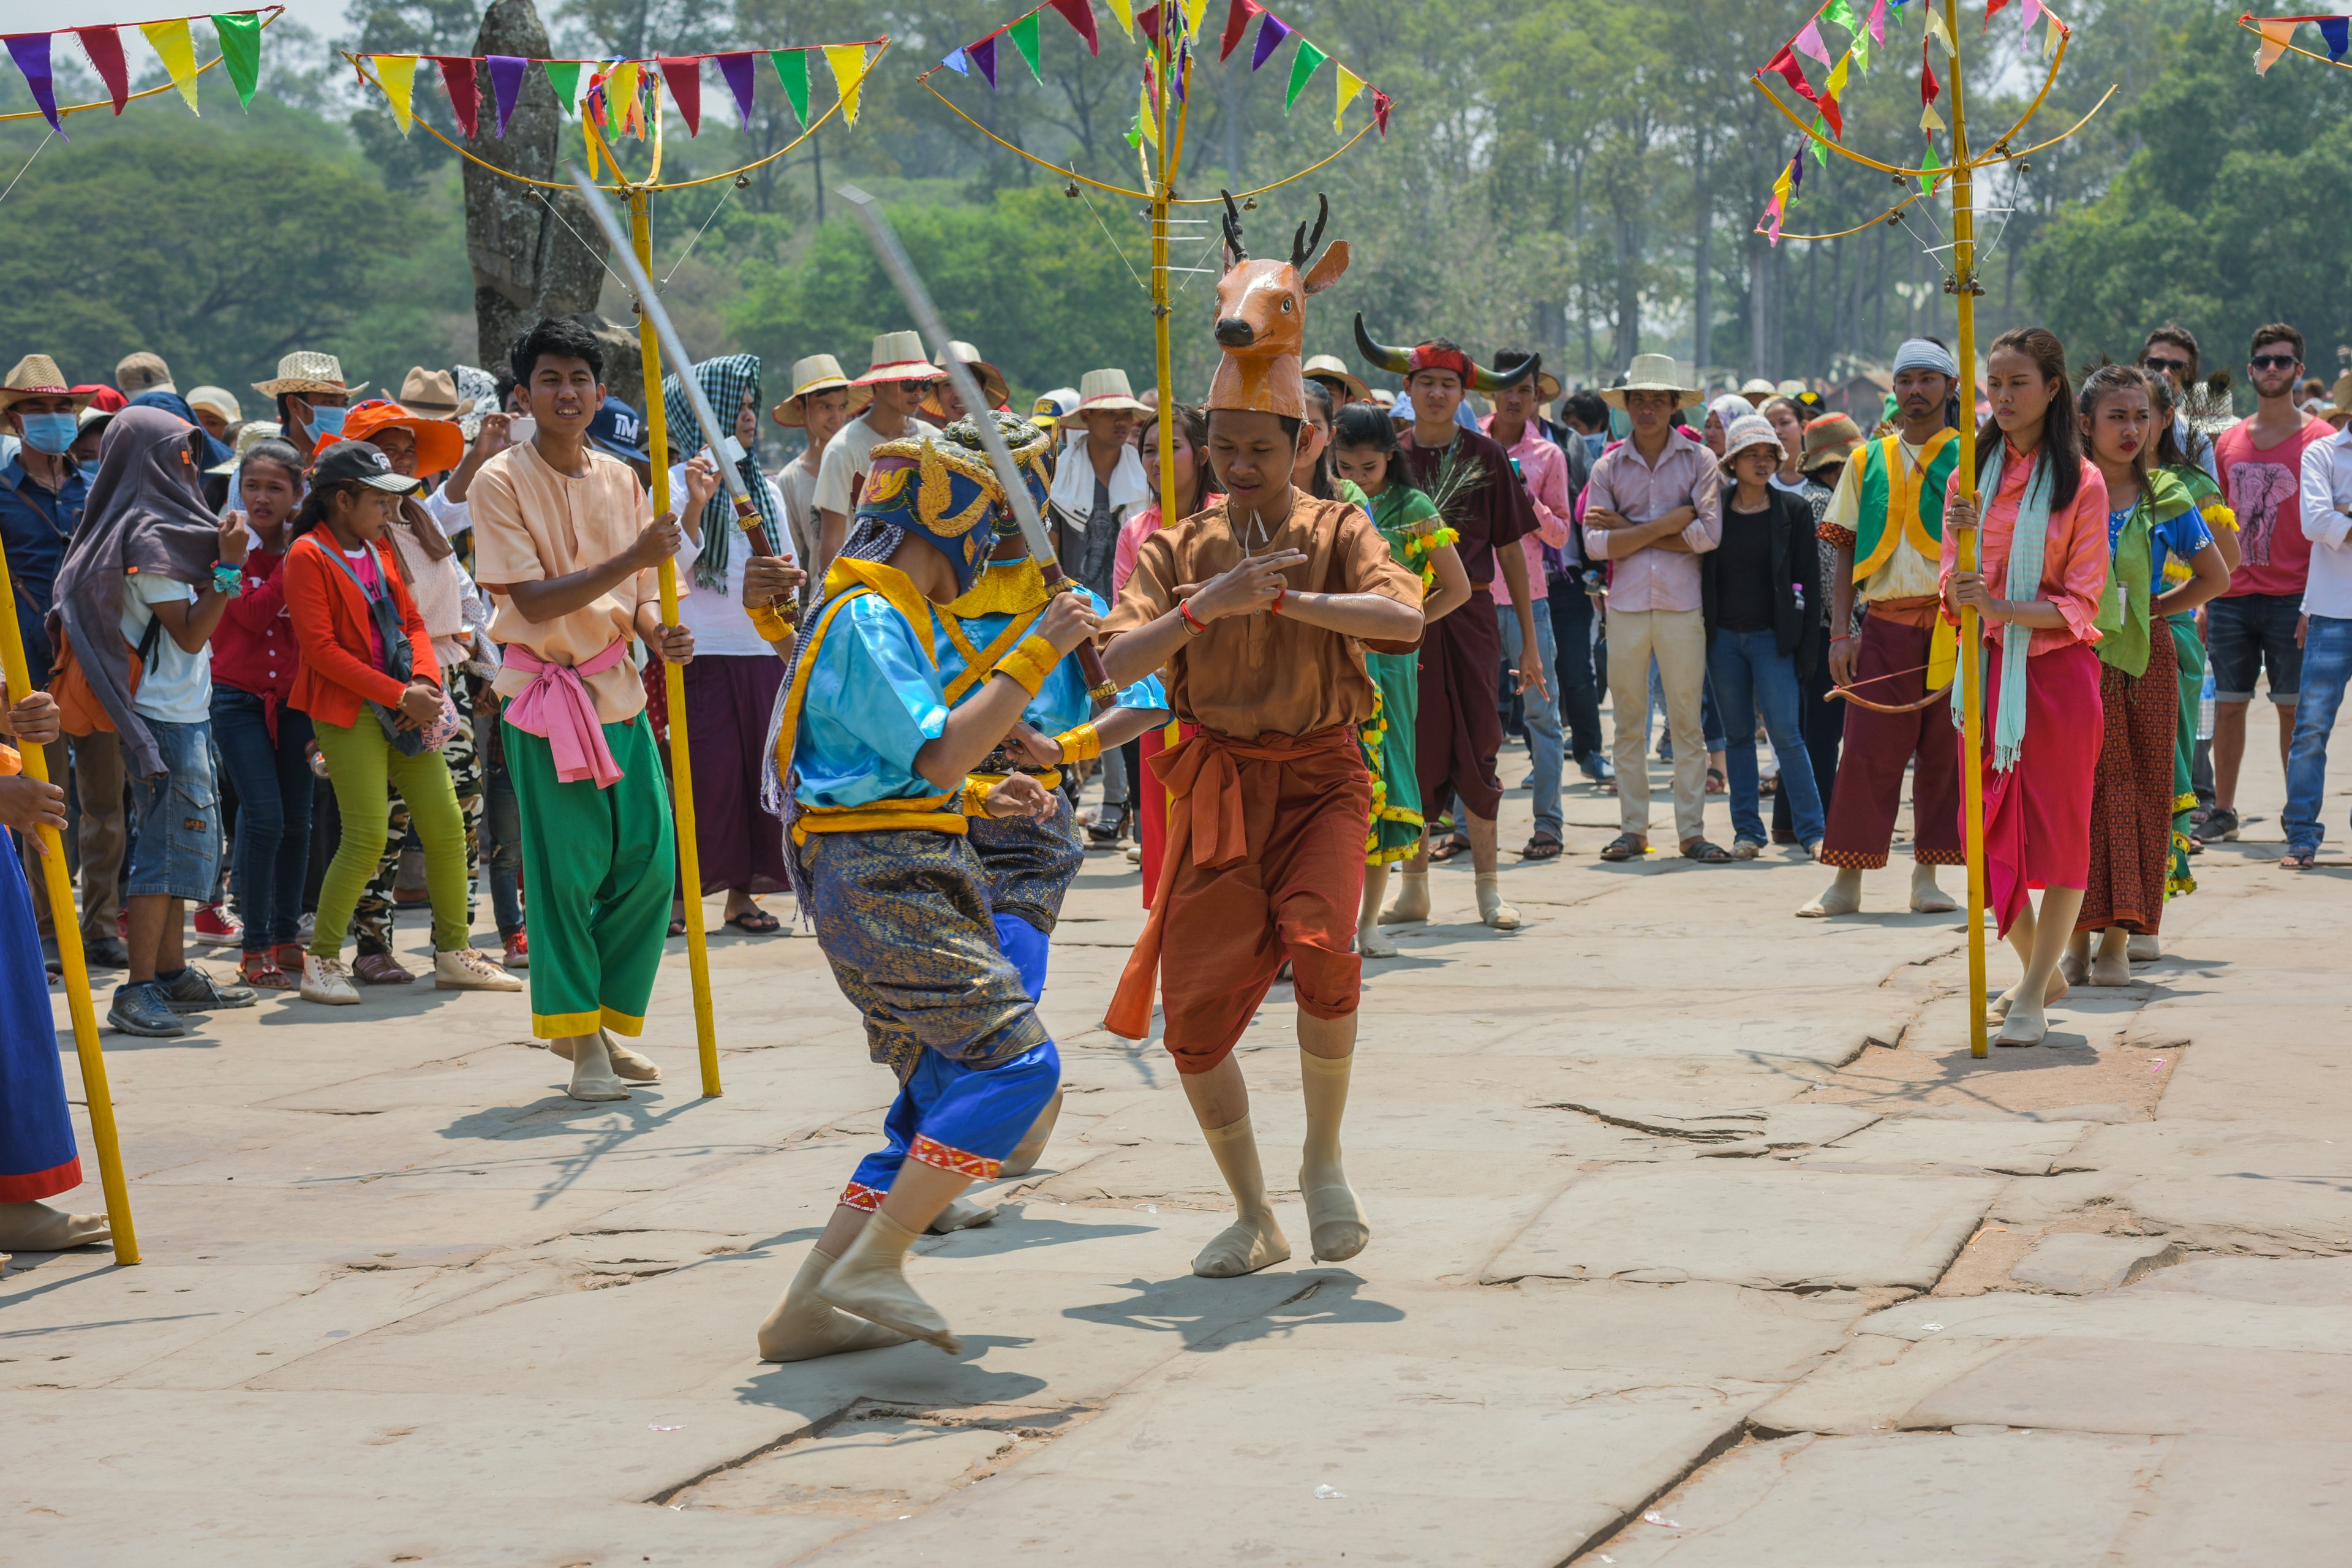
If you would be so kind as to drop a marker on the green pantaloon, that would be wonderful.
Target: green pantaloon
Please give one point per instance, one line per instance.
(598, 866)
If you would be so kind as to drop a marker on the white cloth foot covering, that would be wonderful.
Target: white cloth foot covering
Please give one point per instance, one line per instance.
(962, 1214)
(37, 1227)
(870, 1282)
(1843, 898)
(1998, 1009)
(1492, 911)
(2111, 966)
(1412, 901)
(1335, 1227)
(802, 1327)
(1927, 897)
(2144, 949)
(1031, 1147)
(593, 1077)
(1254, 1241)
(626, 1063)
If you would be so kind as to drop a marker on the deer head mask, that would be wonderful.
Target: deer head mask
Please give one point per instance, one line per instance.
(1262, 318)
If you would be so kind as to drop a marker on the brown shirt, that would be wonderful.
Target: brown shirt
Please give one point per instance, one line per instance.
(1494, 510)
(1248, 675)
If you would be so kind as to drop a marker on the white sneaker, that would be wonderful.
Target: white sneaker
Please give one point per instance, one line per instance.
(470, 969)
(326, 980)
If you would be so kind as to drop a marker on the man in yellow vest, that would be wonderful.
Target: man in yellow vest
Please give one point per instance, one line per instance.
(1886, 524)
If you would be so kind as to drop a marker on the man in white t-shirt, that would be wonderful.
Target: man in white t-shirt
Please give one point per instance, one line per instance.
(899, 378)
(822, 400)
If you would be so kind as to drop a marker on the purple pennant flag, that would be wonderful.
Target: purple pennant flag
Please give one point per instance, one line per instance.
(737, 70)
(1270, 34)
(31, 52)
(506, 72)
(984, 55)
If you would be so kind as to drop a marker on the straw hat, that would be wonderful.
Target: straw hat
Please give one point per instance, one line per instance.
(1654, 372)
(432, 393)
(899, 357)
(38, 375)
(220, 400)
(305, 370)
(1332, 368)
(1748, 431)
(1831, 439)
(992, 380)
(1106, 391)
(144, 372)
(817, 372)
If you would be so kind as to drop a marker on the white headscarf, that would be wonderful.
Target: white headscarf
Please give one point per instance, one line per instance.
(1924, 354)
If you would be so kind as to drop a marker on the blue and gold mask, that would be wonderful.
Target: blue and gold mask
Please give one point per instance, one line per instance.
(939, 489)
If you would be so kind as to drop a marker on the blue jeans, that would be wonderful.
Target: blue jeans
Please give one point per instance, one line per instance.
(1750, 673)
(1542, 712)
(272, 779)
(2327, 666)
(176, 816)
(1576, 683)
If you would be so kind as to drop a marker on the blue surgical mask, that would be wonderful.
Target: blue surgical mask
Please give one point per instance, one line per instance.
(50, 433)
(327, 420)
(1594, 442)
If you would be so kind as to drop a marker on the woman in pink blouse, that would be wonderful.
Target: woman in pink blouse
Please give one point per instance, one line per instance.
(2041, 749)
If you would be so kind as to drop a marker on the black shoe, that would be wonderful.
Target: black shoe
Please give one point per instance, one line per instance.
(106, 953)
(193, 991)
(142, 1010)
(1108, 825)
(2221, 823)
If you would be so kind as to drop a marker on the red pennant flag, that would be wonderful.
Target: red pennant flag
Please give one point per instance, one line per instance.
(1929, 87)
(1785, 63)
(1380, 111)
(465, 96)
(1991, 7)
(1149, 20)
(104, 48)
(1081, 13)
(684, 75)
(1829, 107)
(1237, 21)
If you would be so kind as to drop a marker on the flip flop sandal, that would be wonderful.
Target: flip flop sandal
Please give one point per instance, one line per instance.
(1625, 846)
(1715, 782)
(2299, 861)
(756, 922)
(678, 927)
(1706, 854)
(1543, 847)
(1447, 850)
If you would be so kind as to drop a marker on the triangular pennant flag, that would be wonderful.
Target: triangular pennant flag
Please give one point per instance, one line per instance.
(1148, 19)
(1271, 31)
(1928, 86)
(1832, 115)
(1930, 121)
(1797, 176)
(1810, 41)
(1194, 11)
(1789, 71)
(956, 62)
(2028, 14)
(1380, 104)
(1350, 84)
(1236, 24)
(172, 46)
(791, 72)
(563, 75)
(1860, 53)
(458, 81)
(1929, 166)
(2337, 31)
(620, 101)
(2057, 33)
(683, 76)
(1123, 16)
(1842, 13)
(2275, 32)
(736, 69)
(239, 36)
(1183, 68)
(104, 48)
(984, 55)
(1940, 33)
(506, 72)
(1024, 34)
(1821, 152)
(848, 63)
(31, 53)
(1836, 84)
(1147, 124)
(1303, 65)
(1991, 7)
(397, 73)
(1080, 15)
(1878, 22)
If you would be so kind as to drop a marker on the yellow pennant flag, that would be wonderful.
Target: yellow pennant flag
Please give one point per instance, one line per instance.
(848, 63)
(1122, 12)
(621, 97)
(1937, 31)
(172, 46)
(2275, 31)
(1148, 121)
(1780, 188)
(1930, 121)
(1836, 86)
(397, 73)
(1193, 11)
(1350, 84)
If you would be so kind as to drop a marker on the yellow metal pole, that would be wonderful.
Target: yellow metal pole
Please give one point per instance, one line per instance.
(1964, 274)
(681, 760)
(70, 954)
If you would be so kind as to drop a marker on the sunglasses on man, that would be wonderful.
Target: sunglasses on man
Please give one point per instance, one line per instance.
(2274, 362)
(2164, 365)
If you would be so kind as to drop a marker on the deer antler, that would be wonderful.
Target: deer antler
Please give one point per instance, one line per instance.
(1233, 228)
(1302, 245)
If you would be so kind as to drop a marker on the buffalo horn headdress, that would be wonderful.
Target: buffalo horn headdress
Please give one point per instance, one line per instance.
(1426, 357)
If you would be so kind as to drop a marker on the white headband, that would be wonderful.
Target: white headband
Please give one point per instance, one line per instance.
(1923, 353)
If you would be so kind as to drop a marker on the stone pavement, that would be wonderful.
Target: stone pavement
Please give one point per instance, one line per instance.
(1699, 1239)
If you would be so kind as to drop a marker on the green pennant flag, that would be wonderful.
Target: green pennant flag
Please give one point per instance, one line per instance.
(1842, 13)
(240, 48)
(1820, 129)
(1023, 35)
(563, 75)
(1931, 165)
(792, 70)
(1860, 51)
(1302, 65)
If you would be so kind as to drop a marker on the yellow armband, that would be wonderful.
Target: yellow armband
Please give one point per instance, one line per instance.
(771, 624)
(973, 800)
(1079, 745)
(1030, 664)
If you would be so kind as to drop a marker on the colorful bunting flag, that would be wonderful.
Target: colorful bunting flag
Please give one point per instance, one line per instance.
(1831, 89)
(1860, 53)
(1303, 65)
(956, 62)
(1236, 24)
(1195, 11)
(1350, 84)
(506, 72)
(792, 74)
(1789, 71)
(1815, 141)
(1147, 124)
(458, 81)
(1810, 41)
(736, 69)
(1123, 16)
(984, 55)
(1149, 20)
(620, 101)
(2031, 13)
(1024, 34)
(563, 75)
(1380, 105)
(2275, 32)
(1940, 33)
(682, 75)
(1840, 13)
(397, 75)
(1929, 167)
(238, 34)
(1271, 31)
(1878, 22)
(2057, 32)
(1990, 7)
(1080, 15)
(2337, 31)
(177, 50)
(848, 63)
(31, 53)
(103, 46)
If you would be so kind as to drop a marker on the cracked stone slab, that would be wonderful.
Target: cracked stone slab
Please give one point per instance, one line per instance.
(1996, 1148)
(1872, 1383)
(2235, 1186)
(2228, 1502)
(2124, 1385)
(1786, 1126)
(1743, 1224)
(2146, 1314)
(2080, 1262)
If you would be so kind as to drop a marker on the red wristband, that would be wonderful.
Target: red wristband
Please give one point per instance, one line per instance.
(1184, 608)
(1276, 608)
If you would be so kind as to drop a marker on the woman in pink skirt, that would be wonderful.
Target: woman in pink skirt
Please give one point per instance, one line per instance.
(2042, 550)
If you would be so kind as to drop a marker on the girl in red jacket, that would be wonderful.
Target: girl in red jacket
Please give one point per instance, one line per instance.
(372, 689)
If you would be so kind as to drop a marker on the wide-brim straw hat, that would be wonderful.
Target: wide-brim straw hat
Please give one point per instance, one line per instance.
(1756, 387)
(817, 372)
(1652, 373)
(1831, 439)
(1750, 430)
(38, 375)
(992, 380)
(1331, 367)
(1106, 391)
(899, 357)
(219, 399)
(432, 393)
(306, 371)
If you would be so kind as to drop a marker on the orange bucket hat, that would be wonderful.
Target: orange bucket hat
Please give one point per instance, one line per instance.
(440, 445)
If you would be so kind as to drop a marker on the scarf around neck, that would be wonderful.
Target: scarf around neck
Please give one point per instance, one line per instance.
(725, 381)
(2027, 542)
